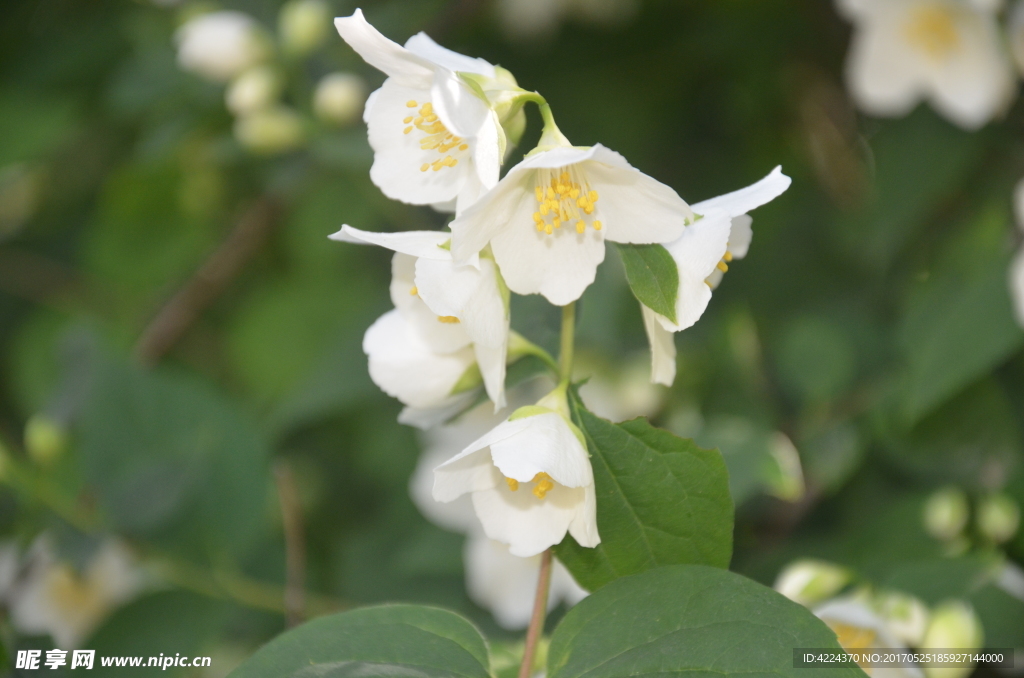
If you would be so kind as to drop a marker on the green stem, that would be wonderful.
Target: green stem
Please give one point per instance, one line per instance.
(568, 342)
(551, 136)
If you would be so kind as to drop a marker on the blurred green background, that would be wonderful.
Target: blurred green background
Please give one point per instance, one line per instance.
(870, 327)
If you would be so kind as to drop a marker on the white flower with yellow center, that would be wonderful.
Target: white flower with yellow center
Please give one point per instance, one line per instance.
(55, 599)
(949, 52)
(435, 139)
(548, 218)
(447, 320)
(530, 480)
(702, 253)
(859, 628)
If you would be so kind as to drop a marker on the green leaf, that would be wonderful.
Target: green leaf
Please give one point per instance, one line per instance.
(688, 619)
(653, 276)
(392, 640)
(661, 500)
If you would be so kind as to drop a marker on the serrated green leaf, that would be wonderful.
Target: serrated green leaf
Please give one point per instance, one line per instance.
(653, 276)
(661, 500)
(688, 620)
(392, 640)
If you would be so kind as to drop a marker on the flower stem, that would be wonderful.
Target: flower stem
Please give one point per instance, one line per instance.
(540, 608)
(568, 342)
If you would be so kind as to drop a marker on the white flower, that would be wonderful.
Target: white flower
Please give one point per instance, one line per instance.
(339, 97)
(953, 624)
(618, 393)
(548, 218)
(434, 139)
(506, 584)
(949, 52)
(811, 581)
(267, 131)
(858, 627)
(1015, 29)
(254, 90)
(220, 45)
(701, 255)
(447, 318)
(1017, 267)
(536, 445)
(68, 605)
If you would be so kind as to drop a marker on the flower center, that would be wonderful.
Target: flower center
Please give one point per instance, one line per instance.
(563, 197)
(544, 484)
(436, 136)
(853, 637)
(933, 30)
(721, 266)
(71, 592)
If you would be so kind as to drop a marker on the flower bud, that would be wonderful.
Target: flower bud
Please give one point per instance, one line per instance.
(303, 26)
(953, 625)
(272, 130)
(998, 517)
(811, 581)
(905, 616)
(221, 45)
(45, 439)
(339, 98)
(255, 89)
(946, 513)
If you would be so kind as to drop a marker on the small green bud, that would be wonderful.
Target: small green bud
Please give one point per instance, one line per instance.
(998, 517)
(953, 625)
(303, 26)
(339, 98)
(946, 513)
(811, 581)
(254, 90)
(45, 439)
(272, 130)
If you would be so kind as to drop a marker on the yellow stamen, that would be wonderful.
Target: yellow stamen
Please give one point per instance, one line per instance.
(548, 229)
(463, 147)
(722, 266)
(580, 227)
(407, 129)
(414, 291)
(597, 225)
(592, 196)
(408, 120)
(728, 256)
(410, 103)
(543, 486)
(424, 167)
(933, 29)
(448, 319)
(513, 484)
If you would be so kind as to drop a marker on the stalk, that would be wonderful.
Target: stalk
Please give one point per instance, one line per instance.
(540, 608)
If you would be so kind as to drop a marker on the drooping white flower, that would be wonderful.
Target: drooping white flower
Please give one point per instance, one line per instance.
(55, 599)
(434, 139)
(536, 445)
(858, 627)
(548, 218)
(721, 235)
(948, 52)
(221, 45)
(339, 97)
(460, 312)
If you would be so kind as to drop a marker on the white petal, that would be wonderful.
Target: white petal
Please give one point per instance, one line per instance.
(740, 236)
(663, 348)
(440, 337)
(583, 527)
(461, 111)
(398, 158)
(457, 515)
(749, 198)
(422, 45)
(425, 418)
(633, 207)
(469, 471)
(491, 361)
(384, 54)
(486, 158)
(477, 224)
(976, 83)
(421, 244)
(560, 266)
(527, 524)
(404, 367)
(697, 254)
(543, 443)
(500, 582)
(469, 294)
(883, 71)
(1017, 286)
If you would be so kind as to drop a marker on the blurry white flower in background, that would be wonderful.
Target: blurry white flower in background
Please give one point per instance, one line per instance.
(1017, 267)
(809, 582)
(50, 596)
(276, 129)
(253, 90)
(1015, 34)
(953, 624)
(496, 580)
(859, 627)
(620, 394)
(948, 52)
(339, 98)
(221, 45)
(534, 19)
(303, 25)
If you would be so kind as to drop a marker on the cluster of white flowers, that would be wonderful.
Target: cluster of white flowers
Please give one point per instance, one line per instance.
(46, 595)
(232, 47)
(948, 52)
(440, 127)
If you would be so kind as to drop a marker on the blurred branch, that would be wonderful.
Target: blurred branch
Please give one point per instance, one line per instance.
(295, 543)
(212, 278)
